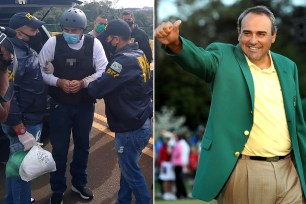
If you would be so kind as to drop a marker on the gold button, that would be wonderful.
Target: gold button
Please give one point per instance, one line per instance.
(246, 133)
(237, 154)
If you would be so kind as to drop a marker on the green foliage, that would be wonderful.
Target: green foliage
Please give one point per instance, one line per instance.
(144, 17)
(210, 21)
(166, 120)
(176, 88)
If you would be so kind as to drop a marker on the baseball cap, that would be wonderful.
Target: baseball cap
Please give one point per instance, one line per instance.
(24, 18)
(118, 27)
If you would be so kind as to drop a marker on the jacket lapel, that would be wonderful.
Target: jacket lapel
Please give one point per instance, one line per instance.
(282, 74)
(246, 71)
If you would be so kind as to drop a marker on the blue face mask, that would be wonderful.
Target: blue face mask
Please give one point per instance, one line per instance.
(71, 38)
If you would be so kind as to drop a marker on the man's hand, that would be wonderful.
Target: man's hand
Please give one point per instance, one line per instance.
(64, 84)
(87, 80)
(168, 34)
(48, 68)
(28, 140)
(76, 85)
(70, 86)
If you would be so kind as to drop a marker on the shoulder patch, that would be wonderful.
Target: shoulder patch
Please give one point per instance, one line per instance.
(116, 66)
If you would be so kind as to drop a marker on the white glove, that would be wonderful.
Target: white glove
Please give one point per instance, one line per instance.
(48, 68)
(87, 80)
(28, 140)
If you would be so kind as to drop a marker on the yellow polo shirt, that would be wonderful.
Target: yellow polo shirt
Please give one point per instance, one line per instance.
(269, 135)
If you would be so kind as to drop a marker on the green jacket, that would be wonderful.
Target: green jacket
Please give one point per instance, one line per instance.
(304, 107)
(224, 68)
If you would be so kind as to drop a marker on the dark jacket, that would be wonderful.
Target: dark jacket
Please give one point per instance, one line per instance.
(139, 36)
(29, 101)
(126, 89)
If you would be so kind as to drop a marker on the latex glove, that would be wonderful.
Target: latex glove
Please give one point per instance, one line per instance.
(87, 80)
(48, 68)
(28, 140)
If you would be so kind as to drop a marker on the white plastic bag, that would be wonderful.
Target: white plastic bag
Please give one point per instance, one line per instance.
(36, 163)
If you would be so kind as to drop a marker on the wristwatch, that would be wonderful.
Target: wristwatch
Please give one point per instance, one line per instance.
(21, 131)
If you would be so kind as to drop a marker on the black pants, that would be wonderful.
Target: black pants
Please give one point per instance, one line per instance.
(180, 187)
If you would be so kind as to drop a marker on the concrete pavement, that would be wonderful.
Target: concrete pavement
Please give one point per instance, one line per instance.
(103, 169)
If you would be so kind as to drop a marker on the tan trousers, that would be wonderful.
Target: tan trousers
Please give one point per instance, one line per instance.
(261, 182)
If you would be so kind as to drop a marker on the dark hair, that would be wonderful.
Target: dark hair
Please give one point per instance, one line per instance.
(127, 12)
(258, 10)
(101, 16)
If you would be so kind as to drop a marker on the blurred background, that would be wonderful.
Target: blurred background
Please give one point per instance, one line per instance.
(182, 101)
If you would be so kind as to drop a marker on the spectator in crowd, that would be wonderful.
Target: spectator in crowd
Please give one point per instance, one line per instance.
(70, 61)
(180, 161)
(99, 26)
(193, 164)
(28, 105)
(126, 90)
(166, 169)
(138, 35)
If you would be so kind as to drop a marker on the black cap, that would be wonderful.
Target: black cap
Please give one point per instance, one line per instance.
(118, 27)
(24, 18)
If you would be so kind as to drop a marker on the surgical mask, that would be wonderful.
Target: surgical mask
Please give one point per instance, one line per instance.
(100, 28)
(71, 38)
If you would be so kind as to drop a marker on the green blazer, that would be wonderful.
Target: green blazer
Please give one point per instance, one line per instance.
(224, 68)
(304, 107)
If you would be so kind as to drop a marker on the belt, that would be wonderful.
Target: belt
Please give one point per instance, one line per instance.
(267, 159)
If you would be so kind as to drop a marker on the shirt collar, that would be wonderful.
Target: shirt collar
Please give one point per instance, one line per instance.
(271, 69)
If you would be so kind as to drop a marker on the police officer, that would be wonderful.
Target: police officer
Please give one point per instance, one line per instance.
(28, 104)
(99, 26)
(71, 59)
(138, 35)
(126, 89)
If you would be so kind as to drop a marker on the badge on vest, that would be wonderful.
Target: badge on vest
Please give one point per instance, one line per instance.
(71, 62)
(114, 69)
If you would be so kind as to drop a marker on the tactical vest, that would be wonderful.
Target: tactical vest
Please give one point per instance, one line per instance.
(72, 64)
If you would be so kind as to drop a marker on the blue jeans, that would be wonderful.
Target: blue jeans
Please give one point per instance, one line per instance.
(129, 146)
(64, 120)
(17, 190)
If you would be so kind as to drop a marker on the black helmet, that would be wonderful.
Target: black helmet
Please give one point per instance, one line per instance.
(74, 18)
(118, 27)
